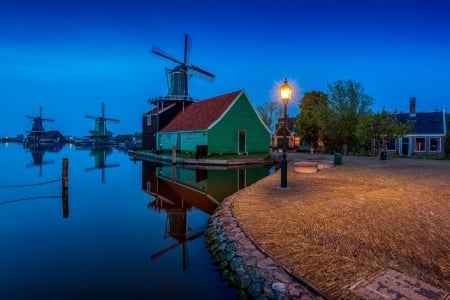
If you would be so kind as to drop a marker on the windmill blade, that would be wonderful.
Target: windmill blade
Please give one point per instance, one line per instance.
(29, 117)
(91, 117)
(112, 165)
(49, 120)
(159, 52)
(187, 48)
(201, 71)
(112, 120)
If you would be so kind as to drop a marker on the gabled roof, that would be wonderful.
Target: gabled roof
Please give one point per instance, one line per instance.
(425, 122)
(201, 115)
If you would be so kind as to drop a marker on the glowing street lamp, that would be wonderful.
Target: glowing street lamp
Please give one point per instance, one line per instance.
(285, 92)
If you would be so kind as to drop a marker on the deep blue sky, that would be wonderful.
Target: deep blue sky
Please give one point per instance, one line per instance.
(70, 56)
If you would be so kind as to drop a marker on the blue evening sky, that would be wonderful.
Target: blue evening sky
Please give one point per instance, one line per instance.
(70, 56)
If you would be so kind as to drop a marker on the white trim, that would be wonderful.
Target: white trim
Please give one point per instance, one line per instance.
(426, 135)
(445, 123)
(239, 141)
(231, 105)
(439, 145)
(183, 131)
(224, 112)
(256, 112)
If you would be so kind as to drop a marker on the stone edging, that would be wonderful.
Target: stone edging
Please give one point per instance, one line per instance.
(245, 266)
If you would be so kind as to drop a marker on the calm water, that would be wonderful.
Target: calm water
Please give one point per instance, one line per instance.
(128, 230)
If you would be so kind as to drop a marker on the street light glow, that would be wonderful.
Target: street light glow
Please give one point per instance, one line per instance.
(285, 93)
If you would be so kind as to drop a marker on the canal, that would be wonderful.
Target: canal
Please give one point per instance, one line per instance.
(125, 230)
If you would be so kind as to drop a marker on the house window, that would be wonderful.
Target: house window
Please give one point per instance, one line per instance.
(390, 145)
(420, 144)
(149, 120)
(435, 144)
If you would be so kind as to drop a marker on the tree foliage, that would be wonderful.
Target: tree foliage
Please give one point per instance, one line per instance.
(348, 103)
(381, 127)
(313, 108)
(270, 111)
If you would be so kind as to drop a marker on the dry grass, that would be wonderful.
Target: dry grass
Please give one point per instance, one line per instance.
(339, 226)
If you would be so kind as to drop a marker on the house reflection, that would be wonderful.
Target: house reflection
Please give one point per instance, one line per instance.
(177, 191)
(100, 155)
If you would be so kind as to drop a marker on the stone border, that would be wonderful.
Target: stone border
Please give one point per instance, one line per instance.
(245, 266)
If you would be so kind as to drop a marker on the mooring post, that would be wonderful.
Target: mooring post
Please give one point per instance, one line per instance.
(65, 188)
(174, 154)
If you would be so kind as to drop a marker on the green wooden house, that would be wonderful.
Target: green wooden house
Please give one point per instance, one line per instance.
(226, 124)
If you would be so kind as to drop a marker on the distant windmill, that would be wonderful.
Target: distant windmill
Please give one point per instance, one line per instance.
(37, 130)
(178, 77)
(100, 134)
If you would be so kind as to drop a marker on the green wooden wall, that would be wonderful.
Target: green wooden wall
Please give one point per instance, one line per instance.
(223, 137)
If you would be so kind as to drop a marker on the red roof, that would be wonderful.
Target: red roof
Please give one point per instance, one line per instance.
(200, 115)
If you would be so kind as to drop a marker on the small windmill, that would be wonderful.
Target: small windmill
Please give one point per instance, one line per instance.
(37, 130)
(178, 77)
(100, 134)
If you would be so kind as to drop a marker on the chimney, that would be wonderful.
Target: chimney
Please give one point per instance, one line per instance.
(412, 107)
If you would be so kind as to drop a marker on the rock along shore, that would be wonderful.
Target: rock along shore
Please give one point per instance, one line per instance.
(245, 266)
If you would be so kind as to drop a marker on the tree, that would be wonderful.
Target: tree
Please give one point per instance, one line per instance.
(381, 127)
(309, 122)
(270, 111)
(348, 102)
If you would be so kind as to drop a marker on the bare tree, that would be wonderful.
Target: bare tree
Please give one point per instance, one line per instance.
(270, 111)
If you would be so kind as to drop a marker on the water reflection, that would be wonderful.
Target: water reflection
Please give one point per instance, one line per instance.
(178, 191)
(37, 154)
(100, 154)
(145, 242)
(26, 188)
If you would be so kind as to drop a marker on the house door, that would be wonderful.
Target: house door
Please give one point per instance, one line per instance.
(242, 141)
(405, 146)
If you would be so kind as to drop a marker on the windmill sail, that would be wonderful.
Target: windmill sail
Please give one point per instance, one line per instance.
(100, 134)
(178, 76)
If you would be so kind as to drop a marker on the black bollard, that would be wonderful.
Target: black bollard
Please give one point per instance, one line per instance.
(65, 188)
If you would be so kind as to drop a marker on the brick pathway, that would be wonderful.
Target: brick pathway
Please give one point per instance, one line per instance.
(341, 226)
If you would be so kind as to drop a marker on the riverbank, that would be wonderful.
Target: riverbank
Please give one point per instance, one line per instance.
(341, 229)
(170, 159)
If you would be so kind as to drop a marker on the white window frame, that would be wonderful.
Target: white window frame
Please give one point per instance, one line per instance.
(439, 144)
(424, 149)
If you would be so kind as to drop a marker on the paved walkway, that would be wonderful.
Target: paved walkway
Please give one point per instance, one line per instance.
(342, 229)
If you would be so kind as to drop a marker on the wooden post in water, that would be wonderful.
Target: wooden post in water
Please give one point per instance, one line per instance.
(65, 188)
(174, 154)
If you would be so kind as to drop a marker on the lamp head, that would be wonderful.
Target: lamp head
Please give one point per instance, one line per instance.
(285, 91)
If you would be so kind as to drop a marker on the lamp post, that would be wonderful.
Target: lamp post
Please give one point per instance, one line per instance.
(285, 92)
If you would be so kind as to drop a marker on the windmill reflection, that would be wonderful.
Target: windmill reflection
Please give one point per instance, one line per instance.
(100, 154)
(37, 153)
(178, 191)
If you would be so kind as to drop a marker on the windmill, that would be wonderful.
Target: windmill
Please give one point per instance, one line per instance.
(178, 76)
(37, 130)
(100, 134)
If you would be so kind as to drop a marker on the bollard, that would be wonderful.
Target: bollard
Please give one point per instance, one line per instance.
(65, 188)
